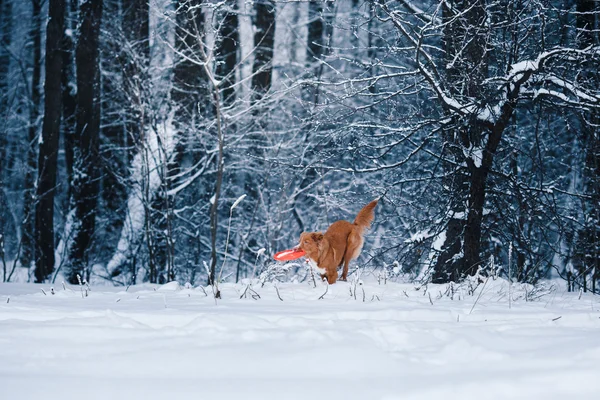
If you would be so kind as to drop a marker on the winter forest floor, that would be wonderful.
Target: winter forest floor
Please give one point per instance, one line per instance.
(166, 342)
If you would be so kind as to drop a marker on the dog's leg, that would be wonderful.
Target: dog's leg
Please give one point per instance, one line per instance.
(345, 271)
(332, 277)
(353, 248)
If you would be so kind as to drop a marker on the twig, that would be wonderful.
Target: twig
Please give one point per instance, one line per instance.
(203, 291)
(44, 292)
(557, 318)
(326, 290)
(277, 290)
(80, 285)
(244, 292)
(480, 293)
(254, 294)
(431, 301)
(510, 251)
(234, 205)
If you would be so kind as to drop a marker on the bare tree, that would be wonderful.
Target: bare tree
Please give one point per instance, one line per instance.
(48, 153)
(69, 89)
(588, 243)
(227, 48)
(28, 226)
(82, 218)
(264, 38)
(5, 41)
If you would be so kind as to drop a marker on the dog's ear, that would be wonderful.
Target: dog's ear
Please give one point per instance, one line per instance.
(317, 236)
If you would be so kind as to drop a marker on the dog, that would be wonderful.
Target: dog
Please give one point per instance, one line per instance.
(340, 244)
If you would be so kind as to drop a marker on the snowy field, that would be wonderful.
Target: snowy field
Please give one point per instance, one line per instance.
(167, 342)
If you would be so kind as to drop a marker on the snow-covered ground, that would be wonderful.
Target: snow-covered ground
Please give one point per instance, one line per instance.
(153, 342)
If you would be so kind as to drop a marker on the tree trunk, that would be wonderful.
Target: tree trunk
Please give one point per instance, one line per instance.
(69, 89)
(190, 89)
(588, 243)
(28, 227)
(316, 39)
(214, 209)
(5, 43)
(262, 70)
(48, 152)
(227, 49)
(320, 27)
(264, 39)
(86, 165)
(464, 45)
(116, 148)
(136, 26)
(146, 205)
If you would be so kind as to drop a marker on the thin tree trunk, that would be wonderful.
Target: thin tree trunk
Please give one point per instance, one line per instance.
(189, 79)
(28, 226)
(136, 26)
(463, 33)
(5, 43)
(320, 17)
(116, 148)
(48, 152)
(227, 50)
(191, 95)
(69, 89)
(264, 39)
(86, 165)
(588, 243)
(124, 111)
(214, 209)
(262, 70)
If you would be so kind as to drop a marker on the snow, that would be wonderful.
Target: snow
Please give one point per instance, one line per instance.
(155, 342)
(419, 236)
(491, 113)
(475, 153)
(146, 176)
(238, 201)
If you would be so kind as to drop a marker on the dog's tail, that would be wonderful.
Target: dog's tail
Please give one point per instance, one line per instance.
(365, 216)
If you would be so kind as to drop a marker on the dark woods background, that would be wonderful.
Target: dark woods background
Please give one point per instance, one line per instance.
(130, 127)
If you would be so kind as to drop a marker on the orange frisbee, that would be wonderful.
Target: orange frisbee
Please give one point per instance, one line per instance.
(288, 255)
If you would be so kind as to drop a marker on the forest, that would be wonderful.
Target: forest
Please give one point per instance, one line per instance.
(190, 140)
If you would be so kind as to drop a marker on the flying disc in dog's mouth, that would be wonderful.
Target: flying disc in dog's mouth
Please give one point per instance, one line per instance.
(288, 255)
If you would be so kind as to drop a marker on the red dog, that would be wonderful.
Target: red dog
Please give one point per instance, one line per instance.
(341, 243)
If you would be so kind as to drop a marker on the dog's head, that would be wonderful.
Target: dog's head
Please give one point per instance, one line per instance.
(310, 242)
